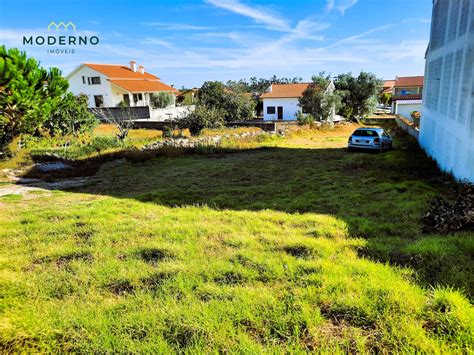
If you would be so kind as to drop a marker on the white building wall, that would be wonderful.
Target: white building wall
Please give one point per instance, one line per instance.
(290, 108)
(76, 86)
(170, 112)
(406, 109)
(447, 123)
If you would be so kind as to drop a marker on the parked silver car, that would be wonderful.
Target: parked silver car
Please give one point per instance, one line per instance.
(370, 138)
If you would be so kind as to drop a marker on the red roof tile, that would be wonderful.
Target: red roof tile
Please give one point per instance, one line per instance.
(143, 85)
(285, 90)
(126, 78)
(405, 81)
(115, 71)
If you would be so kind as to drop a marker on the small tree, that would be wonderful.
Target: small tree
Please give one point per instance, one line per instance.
(319, 99)
(122, 119)
(29, 94)
(200, 118)
(161, 100)
(358, 94)
(71, 116)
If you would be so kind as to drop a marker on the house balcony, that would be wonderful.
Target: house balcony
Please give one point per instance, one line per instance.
(407, 97)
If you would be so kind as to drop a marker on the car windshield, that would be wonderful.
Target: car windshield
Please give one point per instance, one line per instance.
(365, 133)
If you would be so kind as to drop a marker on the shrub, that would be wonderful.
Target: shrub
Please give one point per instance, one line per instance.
(202, 117)
(71, 117)
(101, 143)
(304, 119)
(122, 104)
(161, 100)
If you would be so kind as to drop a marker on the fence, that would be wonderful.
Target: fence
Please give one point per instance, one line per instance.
(138, 112)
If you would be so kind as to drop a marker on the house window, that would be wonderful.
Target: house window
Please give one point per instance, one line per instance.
(137, 97)
(88, 80)
(95, 80)
(83, 79)
(271, 110)
(99, 100)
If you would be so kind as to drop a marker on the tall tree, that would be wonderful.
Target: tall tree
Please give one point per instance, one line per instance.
(359, 94)
(28, 94)
(319, 99)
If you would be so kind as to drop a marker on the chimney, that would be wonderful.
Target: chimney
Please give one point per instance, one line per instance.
(141, 69)
(133, 66)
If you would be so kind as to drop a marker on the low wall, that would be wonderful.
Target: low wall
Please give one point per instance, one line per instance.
(407, 126)
(169, 113)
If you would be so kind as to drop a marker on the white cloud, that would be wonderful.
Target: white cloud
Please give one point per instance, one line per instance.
(176, 26)
(352, 39)
(339, 5)
(157, 42)
(259, 15)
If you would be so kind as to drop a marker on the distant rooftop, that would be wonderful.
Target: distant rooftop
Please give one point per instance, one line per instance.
(286, 90)
(404, 81)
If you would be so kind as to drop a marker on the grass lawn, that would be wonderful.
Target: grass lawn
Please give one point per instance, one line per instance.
(291, 245)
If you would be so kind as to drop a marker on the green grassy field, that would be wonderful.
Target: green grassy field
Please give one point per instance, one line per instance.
(291, 245)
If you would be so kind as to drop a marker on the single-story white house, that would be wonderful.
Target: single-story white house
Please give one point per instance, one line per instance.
(281, 102)
(407, 95)
(107, 85)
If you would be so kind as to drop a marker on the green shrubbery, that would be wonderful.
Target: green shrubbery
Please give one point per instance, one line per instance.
(202, 117)
(304, 119)
(161, 100)
(71, 117)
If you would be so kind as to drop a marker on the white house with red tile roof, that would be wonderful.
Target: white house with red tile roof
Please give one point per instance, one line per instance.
(281, 102)
(407, 95)
(107, 85)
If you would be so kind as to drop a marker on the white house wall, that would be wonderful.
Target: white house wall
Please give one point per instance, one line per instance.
(76, 86)
(290, 108)
(406, 109)
(447, 123)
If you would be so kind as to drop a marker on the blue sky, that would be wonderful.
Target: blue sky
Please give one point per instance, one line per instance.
(188, 42)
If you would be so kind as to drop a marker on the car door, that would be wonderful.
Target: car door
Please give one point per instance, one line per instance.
(385, 139)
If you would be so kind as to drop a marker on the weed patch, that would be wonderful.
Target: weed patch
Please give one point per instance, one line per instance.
(155, 255)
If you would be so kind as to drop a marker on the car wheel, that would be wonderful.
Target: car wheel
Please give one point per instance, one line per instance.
(381, 149)
(349, 149)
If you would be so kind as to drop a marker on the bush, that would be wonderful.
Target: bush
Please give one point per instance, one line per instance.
(234, 106)
(304, 119)
(71, 117)
(202, 117)
(161, 100)
(101, 143)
